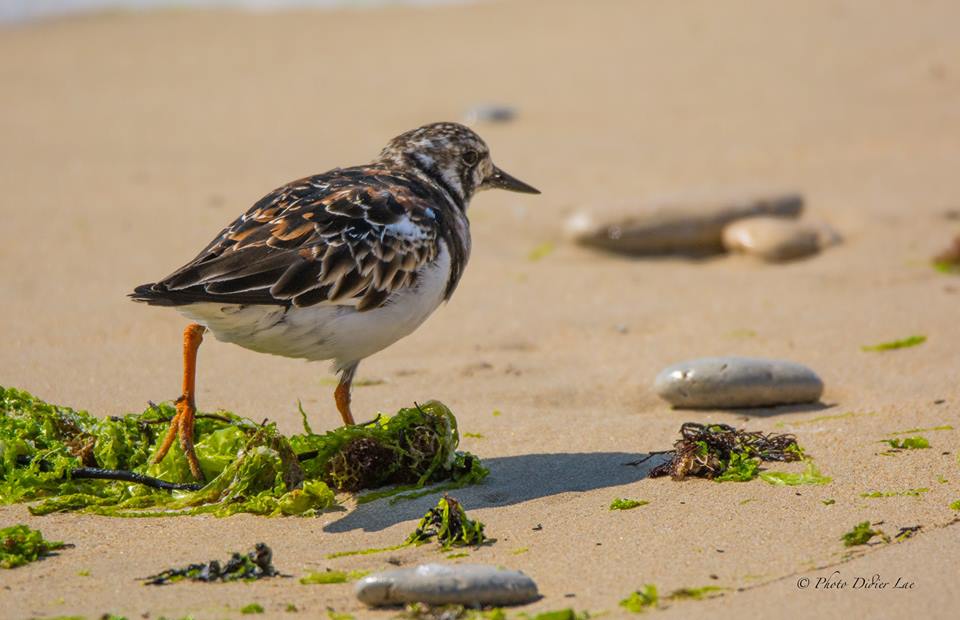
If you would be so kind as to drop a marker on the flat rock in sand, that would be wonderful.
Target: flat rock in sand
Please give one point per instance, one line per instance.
(692, 227)
(777, 239)
(441, 584)
(732, 382)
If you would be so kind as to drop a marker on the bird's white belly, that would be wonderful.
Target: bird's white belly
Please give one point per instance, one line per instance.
(327, 331)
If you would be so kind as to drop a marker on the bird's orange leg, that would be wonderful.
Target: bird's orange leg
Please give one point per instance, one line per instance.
(182, 422)
(342, 394)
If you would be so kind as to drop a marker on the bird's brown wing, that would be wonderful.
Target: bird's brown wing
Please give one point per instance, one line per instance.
(350, 236)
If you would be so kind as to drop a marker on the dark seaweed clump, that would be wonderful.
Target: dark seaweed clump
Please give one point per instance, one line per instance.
(721, 452)
(256, 564)
(413, 448)
(449, 524)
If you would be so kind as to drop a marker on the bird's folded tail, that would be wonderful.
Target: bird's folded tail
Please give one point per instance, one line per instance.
(157, 294)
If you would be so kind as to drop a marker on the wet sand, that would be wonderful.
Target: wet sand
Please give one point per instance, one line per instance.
(130, 140)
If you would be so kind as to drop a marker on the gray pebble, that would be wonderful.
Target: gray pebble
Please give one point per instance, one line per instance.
(490, 113)
(692, 226)
(727, 382)
(442, 584)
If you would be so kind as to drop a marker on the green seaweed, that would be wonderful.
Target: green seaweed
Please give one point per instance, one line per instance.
(251, 468)
(465, 470)
(696, 593)
(908, 443)
(449, 524)
(642, 600)
(723, 453)
(627, 504)
(906, 493)
(811, 475)
(861, 534)
(344, 554)
(955, 505)
(942, 427)
(541, 251)
(252, 608)
(828, 502)
(335, 615)
(741, 467)
(945, 266)
(332, 576)
(19, 545)
(892, 345)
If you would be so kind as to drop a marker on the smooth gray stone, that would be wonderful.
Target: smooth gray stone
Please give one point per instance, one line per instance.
(490, 113)
(692, 226)
(441, 584)
(721, 382)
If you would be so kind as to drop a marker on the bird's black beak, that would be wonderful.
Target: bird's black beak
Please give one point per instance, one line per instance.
(501, 180)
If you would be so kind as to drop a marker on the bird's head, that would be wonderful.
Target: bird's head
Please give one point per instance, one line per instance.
(453, 156)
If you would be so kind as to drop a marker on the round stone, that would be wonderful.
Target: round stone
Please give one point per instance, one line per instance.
(733, 382)
(681, 226)
(777, 239)
(443, 584)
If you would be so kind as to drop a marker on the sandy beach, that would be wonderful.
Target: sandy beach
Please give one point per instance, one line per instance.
(130, 140)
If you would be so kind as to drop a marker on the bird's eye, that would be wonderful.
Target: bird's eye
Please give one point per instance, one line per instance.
(471, 158)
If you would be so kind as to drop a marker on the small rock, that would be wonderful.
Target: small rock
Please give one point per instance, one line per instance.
(442, 584)
(777, 239)
(490, 113)
(694, 227)
(722, 382)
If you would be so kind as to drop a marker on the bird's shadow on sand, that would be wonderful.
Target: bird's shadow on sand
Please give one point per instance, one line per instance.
(512, 480)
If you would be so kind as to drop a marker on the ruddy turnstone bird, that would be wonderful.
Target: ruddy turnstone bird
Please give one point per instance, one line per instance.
(335, 266)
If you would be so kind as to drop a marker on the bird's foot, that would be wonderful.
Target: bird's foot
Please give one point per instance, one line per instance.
(182, 426)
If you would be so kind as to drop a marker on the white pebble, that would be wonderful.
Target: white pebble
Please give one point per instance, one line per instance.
(776, 239)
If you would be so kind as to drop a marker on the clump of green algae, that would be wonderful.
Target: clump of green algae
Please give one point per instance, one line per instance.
(723, 453)
(648, 597)
(908, 443)
(332, 576)
(449, 524)
(19, 545)
(641, 600)
(627, 504)
(811, 475)
(45, 449)
(861, 534)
